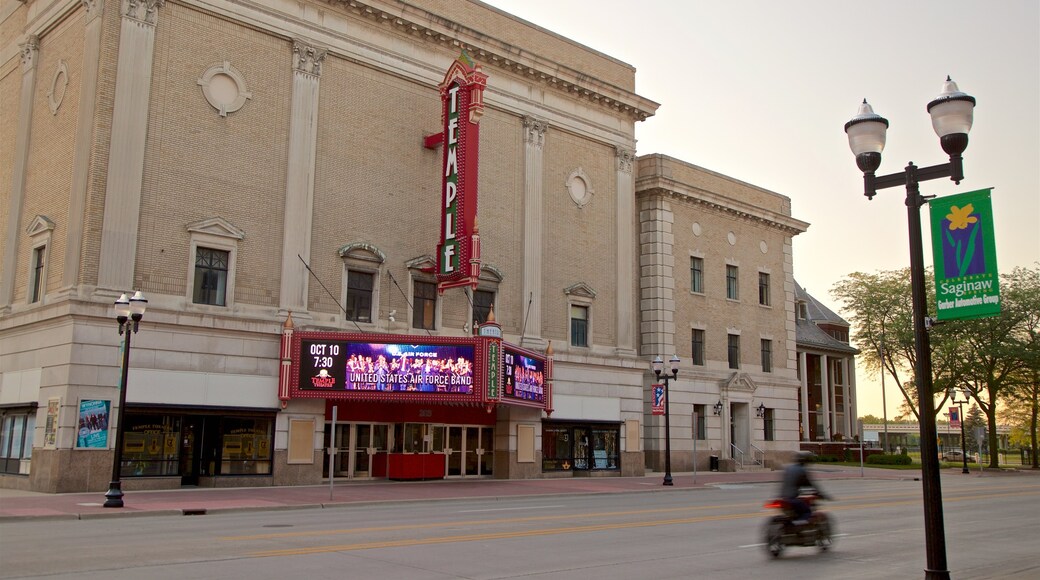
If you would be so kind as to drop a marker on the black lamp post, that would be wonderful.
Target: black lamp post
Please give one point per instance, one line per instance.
(951, 114)
(658, 367)
(129, 313)
(959, 398)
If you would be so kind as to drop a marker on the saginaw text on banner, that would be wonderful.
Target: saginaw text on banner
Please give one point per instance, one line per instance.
(965, 256)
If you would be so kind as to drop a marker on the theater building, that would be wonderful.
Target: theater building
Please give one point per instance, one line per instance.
(378, 239)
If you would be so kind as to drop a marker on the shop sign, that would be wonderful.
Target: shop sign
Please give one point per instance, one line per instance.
(458, 252)
(523, 375)
(965, 256)
(386, 368)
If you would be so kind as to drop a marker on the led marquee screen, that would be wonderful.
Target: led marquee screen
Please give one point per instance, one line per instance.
(343, 366)
(524, 376)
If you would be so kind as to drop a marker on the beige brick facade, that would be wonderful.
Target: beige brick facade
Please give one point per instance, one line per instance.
(235, 180)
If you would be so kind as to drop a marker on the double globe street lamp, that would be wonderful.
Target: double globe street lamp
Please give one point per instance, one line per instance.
(951, 114)
(960, 398)
(129, 312)
(658, 367)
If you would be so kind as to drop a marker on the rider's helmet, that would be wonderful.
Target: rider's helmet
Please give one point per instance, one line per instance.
(804, 457)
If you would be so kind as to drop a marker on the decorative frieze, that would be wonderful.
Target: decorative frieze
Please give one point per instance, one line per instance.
(534, 131)
(308, 59)
(144, 12)
(29, 49)
(625, 158)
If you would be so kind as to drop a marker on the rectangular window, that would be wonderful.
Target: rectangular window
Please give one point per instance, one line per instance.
(733, 351)
(424, 306)
(700, 430)
(732, 286)
(767, 425)
(697, 347)
(16, 438)
(211, 276)
(482, 302)
(697, 275)
(767, 356)
(359, 296)
(763, 289)
(579, 325)
(37, 282)
(246, 446)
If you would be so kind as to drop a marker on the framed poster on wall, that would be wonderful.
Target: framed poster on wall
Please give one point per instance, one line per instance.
(92, 428)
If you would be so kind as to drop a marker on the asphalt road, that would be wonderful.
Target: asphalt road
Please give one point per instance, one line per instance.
(698, 533)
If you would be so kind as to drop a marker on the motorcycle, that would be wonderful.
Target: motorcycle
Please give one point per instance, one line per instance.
(782, 530)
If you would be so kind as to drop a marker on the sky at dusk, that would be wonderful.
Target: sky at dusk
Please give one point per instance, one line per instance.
(760, 91)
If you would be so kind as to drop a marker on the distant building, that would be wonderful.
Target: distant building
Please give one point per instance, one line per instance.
(827, 371)
(293, 187)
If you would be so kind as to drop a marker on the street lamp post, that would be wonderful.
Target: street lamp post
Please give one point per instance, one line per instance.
(658, 367)
(959, 399)
(951, 114)
(129, 313)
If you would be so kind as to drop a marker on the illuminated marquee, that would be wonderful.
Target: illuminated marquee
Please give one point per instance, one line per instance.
(383, 368)
(525, 377)
(458, 253)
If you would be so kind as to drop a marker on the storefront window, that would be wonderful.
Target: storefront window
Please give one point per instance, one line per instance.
(16, 439)
(580, 447)
(150, 445)
(246, 446)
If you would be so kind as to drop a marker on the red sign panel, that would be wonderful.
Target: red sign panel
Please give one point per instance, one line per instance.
(458, 252)
(955, 418)
(658, 402)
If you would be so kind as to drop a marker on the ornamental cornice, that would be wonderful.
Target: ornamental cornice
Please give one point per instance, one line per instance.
(729, 206)
(29, 50)
(487, 50)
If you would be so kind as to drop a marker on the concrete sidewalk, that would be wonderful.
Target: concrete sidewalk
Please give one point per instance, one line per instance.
(21, 505)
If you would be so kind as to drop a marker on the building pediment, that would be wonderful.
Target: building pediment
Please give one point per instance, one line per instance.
(216, 226)
(580, 289)
(363, 251)
(739, 383)
(425, 263)
(40, 224)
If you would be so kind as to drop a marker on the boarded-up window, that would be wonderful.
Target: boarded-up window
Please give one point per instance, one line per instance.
(631, 435)
(525, 443)
(301, 440)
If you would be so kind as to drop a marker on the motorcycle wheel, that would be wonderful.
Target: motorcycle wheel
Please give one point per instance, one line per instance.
(824, 534)
(774, 536)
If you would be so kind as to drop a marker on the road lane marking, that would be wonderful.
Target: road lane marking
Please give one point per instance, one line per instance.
(533, 507)
(413, 526)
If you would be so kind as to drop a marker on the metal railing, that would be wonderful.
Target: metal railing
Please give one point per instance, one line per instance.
(738, 454)
(758, 457)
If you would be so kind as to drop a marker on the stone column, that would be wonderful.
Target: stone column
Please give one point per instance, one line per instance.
(804, 394)
(534, 141)
(846, 402)
(127, 145)
(626, 265)
(657, 280)
(84, 141)
(299, 186)
(826, 393)
(30, 50)
(853, 407)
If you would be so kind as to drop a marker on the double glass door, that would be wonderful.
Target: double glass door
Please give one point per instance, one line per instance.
(357, 443)
(470, 450)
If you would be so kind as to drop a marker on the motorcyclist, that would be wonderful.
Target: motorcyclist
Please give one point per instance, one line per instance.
(796, 478)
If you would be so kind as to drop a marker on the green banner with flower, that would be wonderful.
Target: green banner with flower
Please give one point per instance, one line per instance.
(966, 277)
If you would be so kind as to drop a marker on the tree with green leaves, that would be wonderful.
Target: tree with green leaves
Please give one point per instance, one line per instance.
(878, 306)
(1022, 407)
(989, 356)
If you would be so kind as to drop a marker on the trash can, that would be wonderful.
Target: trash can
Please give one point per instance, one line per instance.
(713, 462)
